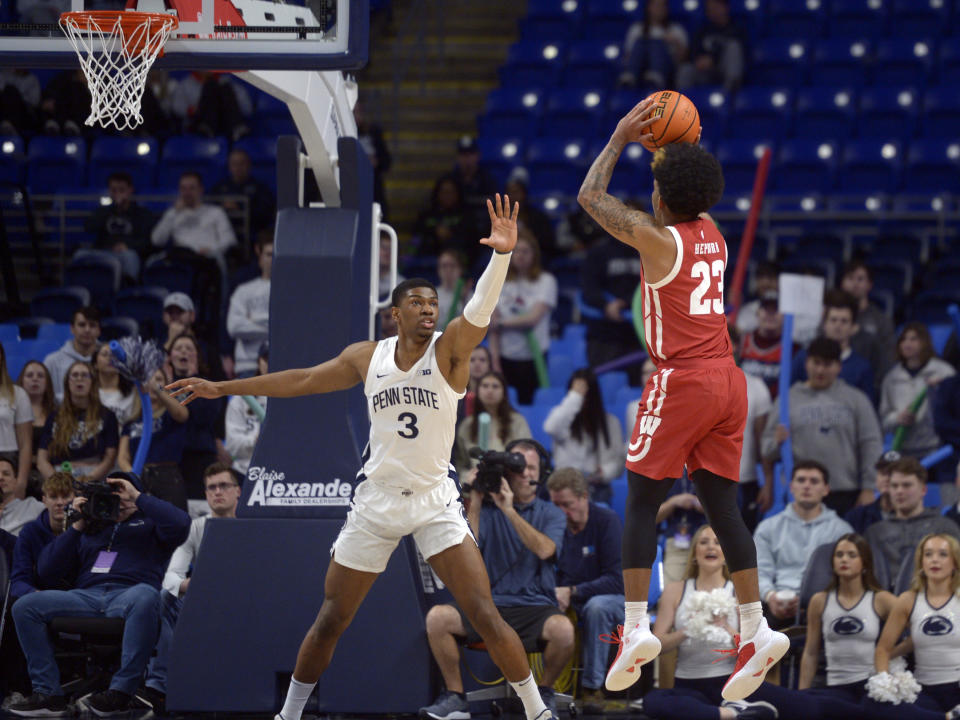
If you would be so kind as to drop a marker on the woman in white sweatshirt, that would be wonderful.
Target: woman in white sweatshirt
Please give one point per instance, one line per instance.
(585, 436)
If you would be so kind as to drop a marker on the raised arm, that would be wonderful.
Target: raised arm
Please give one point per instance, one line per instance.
(339, 373)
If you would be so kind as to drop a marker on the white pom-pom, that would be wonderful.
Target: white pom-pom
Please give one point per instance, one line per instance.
(897, 665)
(894, 687)
(700, 612)
(908, 686)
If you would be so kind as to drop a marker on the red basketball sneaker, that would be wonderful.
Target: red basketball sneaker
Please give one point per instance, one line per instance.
(637, 647)
(754, 658)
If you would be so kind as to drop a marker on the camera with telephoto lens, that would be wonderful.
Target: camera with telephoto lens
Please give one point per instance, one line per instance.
(493, 466)
(101, 508)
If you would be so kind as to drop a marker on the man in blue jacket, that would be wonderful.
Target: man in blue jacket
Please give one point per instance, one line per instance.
(116, 571)
(589, 574)
(36, 535)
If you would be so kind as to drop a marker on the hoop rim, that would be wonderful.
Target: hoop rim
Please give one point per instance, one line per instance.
(128, 18)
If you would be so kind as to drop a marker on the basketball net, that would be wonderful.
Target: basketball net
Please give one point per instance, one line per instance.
(116, 49)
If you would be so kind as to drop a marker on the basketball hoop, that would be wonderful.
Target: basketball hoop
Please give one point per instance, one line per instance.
(116, 50)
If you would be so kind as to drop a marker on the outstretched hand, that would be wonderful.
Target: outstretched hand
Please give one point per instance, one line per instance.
(196, 387)
(503, 225)
(634, 124)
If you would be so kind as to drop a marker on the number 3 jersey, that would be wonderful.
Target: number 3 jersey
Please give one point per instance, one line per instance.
(413, 418)
(683, 314)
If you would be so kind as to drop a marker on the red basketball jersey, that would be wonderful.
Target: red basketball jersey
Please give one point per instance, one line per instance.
(683, 314)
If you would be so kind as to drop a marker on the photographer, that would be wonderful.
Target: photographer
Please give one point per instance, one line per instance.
(519, 536)
(115, 553)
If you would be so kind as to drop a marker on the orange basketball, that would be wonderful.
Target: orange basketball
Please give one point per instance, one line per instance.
(679, 121)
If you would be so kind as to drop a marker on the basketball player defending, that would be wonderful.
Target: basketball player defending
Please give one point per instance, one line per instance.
(694, 408)
(413, 382)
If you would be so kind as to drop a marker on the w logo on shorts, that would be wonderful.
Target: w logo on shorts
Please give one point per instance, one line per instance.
(650, 420)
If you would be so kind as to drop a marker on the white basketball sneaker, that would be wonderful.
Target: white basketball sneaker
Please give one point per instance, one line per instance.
(638, 646)
(754, 658)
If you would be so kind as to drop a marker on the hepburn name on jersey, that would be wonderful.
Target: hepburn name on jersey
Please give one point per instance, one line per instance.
(416, 396)
(706, 248)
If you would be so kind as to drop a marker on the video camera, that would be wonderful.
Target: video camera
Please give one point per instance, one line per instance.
(493, 466)
(101, 508)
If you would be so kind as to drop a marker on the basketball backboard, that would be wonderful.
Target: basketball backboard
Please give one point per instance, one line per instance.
(212, 34)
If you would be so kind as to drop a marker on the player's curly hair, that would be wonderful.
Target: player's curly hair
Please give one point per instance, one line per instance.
(690, 179)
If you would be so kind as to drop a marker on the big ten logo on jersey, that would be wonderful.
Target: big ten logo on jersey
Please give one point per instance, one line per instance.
(650, 420)
(272, 488)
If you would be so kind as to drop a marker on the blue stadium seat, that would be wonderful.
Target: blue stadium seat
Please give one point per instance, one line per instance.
(739, 158)
(941, 111)
(888, 112)
(99, 275)
(30, 326)
(143, 304)
(765, 112)
(712, 104)
(930, 306)
(15, 361)
(573, 112)
(114, 328)
(37, 349)
(549, 396)
(12, 159)
(549, 19)
(575, 332)
(610, 19)
(939, 334)
(56, 162)
(806, 166)
(841, 60)
(632, 177)
(499, 155)
(895, 276)
(779, 60)
(557, 163)
(849, 17)
(271, 117)
(792, 19)
(263, 157)
(949, 60)
(175, 276)
(592, 63)
(921, 18)
(512, 111)
(871, 166)
(533, 64)
(826, 112)
(9, 333)
(55, 332)
(901, 61)
(136, 156)
(182, 153)
(610, 384)
(932, 166)
(59, 303)
(556, 204)
(535, 415)
(559, 367)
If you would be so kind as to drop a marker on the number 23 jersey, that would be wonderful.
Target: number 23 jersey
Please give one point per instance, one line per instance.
(413, 418)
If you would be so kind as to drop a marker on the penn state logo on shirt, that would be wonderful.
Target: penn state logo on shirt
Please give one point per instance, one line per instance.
(936, 625)
(847, 625)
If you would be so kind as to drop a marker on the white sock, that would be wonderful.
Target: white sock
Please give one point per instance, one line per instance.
(634, 612)
(297, 695)
(750, 616)
(529, 695)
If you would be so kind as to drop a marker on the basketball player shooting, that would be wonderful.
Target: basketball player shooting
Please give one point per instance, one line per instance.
(694, 408)
(412, 382)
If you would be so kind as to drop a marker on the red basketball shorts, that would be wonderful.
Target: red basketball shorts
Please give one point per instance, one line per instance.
(692, 417)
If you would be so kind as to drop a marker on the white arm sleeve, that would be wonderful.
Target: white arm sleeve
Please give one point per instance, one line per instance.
(478, 310)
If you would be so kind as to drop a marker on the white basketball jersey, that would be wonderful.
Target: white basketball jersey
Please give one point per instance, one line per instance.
(936, 641)
(699, 658)
(849, 638)
(413, 417)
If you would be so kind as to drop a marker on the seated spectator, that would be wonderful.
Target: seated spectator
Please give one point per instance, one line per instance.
(874, 338)
(766, 282)
(506, 424)
(117, 393)
(242, 423)
(480, 364)
(370, 137)
(211, 104)
(121, 228)
(248, 320)
(204, 444)
(16, 507)
(385, 284)
(454, 289)
(85, 328)
(58, 493)
(475, 185)
(831, 421)
(840, 324)
(520, 327)
(82, 432)
(587, 437)
(520, 537)
(191, 223)
(654, 48)
(896, 537)
(918, 369)
(589, 574)
(223, 493)
(787, 540)
(261, 204)
(608, 279)
(135, 555)
(762, 348)
(19, 101)
(852, 595)
(388, 326)
(446, 223)
(531, 217)
(35, 380)
(863, 516)
(16, 423)
(681, 515)
(65, 101)
(161, 476)
(718, 51)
